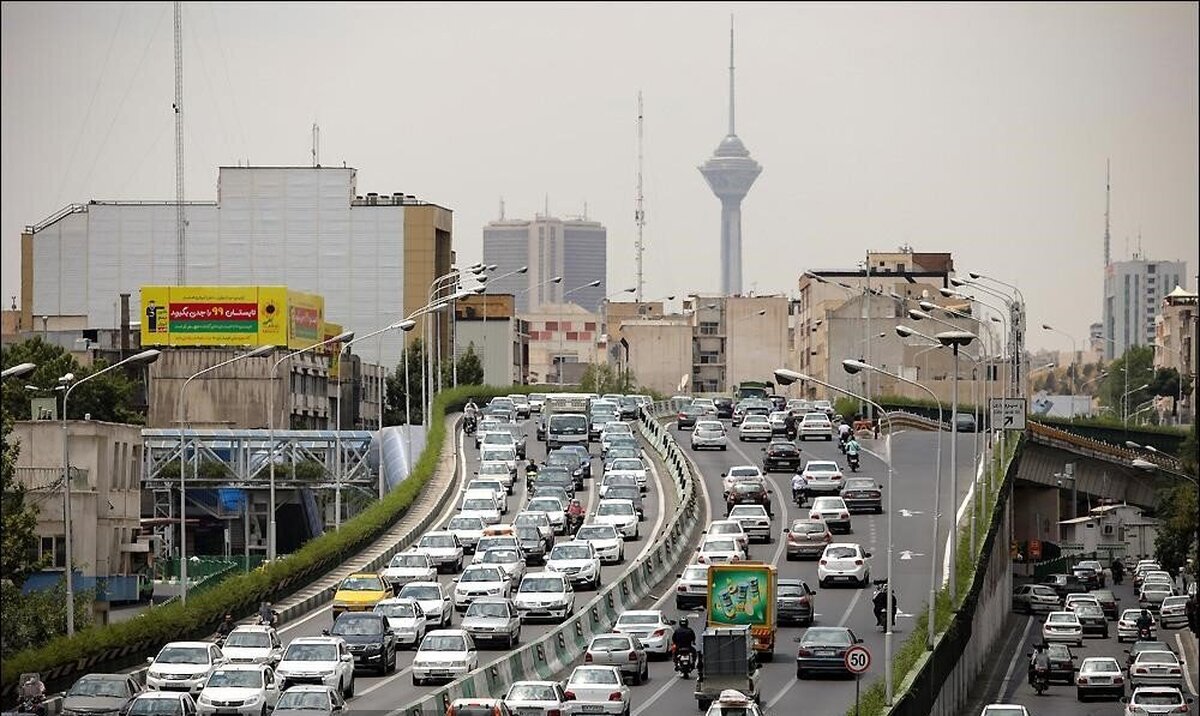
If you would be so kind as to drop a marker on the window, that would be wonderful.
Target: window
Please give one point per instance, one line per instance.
(709, 328)
(572, 336)
(551, 325)
(54, 549)
(589, 326)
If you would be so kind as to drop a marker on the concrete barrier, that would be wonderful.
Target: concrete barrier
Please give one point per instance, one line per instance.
(553, 651)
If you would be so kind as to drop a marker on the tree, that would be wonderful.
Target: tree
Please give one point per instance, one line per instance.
(396, 414)
(1140, 360)
(470, 368)
(18, 537)
(1167, 383)
(104, 398)
(604, 378)
(1176, 526)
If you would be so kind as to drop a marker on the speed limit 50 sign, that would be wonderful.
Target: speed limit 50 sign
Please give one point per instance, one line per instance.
(857, 659)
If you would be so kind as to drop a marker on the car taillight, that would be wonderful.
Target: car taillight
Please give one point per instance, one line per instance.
(681, 588)
(587, 658)
(1081, 681)
(845, 515)
(823, 562)
(614, 696)
(858, 562)
(681, 416)
(1118, 680)
(701, 559)
(828, 537)
(804, 652)
(837, 477)
(633, 656)
(659, 632)
(793, 537)
(553, 712)
(569, 695)
(1140, 670)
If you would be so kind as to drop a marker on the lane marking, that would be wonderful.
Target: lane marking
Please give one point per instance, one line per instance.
(783, 512)
(1012, 664)
(958, 518)
(792, 682)
(1187, 673)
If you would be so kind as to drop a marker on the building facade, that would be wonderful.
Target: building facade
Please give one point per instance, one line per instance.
(563, 341)
(372, 257)
(1133, 292)
(1175, 330)
(575, 249)
(488, 324)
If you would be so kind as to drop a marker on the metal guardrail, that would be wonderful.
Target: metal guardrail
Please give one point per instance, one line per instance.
(558, 648)
(1046, 435)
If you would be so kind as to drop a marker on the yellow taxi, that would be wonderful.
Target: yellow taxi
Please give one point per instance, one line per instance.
(499, 531)
(359, 593)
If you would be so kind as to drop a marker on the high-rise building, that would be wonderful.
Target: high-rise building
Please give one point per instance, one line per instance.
(730, 173)
(575, 249)
(372, 257)
(1133, 293)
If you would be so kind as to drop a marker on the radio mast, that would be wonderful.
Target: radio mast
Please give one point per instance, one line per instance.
(639, 213)
(180, 219)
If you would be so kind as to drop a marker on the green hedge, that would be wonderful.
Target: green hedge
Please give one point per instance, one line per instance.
(117, 646)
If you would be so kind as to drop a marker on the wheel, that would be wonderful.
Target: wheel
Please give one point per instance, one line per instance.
(350, 691)
(724, 447)
(799, 673)
(703, 704)
(791, 557)
(416, 681)
(646, 671)
(822, 583)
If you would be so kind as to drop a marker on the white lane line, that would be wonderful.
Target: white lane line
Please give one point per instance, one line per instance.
(783, 510)
(792, 682)
(958, 518)
(1187, 673)
(671, 681)
(382, 682)
(1012, 665)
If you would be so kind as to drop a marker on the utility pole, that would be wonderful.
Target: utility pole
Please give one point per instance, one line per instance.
(639, 213)
(180, 219)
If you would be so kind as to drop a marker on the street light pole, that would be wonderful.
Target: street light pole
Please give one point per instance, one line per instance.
(144, 357)
(955, 340)
(783, 376)
(520, 353)
(181, 411)
(271, 529)
(1074, 358)
(562, 333)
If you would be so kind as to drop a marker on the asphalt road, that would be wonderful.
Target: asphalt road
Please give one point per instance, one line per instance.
(1060, 699)
(914, 476)
(380, 695)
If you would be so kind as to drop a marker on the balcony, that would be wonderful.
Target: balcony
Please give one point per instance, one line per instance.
(45, 479)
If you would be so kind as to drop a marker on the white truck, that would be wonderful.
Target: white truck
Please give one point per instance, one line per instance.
(562, 416)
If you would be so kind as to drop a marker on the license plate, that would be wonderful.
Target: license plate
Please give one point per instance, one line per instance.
(227, 712)
(824, 652)
(1102, 680)
(592, 708)
(439, 672)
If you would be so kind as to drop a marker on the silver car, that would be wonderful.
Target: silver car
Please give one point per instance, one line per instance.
(622, 651)
(709, 434)
(491, 619)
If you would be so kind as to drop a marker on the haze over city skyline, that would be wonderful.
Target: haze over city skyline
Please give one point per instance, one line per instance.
(980, 130)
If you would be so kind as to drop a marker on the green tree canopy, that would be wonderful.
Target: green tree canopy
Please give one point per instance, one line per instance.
(470, 368)
(397, 400)
(1140, 360)
(104, 398)
(18, 538)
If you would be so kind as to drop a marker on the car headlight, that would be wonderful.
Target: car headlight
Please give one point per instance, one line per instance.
(254, 700)
(154, 674)
(206, 700)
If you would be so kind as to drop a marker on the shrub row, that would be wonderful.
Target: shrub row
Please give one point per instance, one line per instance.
(117, 646)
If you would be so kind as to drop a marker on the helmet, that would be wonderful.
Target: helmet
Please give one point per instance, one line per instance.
(683, 622)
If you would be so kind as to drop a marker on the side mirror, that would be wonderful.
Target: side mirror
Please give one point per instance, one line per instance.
(858, 640)
(867, 555)
(1125, 700)
(347, 657)
(324, 632)
(149, 659)
(1029, 654)
(722, 474)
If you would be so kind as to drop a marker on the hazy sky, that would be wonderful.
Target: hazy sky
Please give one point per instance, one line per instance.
(976, 129)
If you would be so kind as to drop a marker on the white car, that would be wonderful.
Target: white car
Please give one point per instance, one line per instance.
(621, 514)
(815, 425)
(1004, 710)
(1156, 700)
(161, 703)
(467, 529)
(608, 543)
(824, 476)
(553, 508)
(754, 427)
(183, 666)
(598, 689)
(708, 405)
(545, 595)
(309, 700)
(509, 559)
(844, 562)
(405, 618)
(495, 486)
(252, 644)
(498, 471)
(824, 406)
(540, 520)
(1099, 676)
(485, 508)
(480, 580)
(1156, 668)
(709, 434)
(444, 655)
(1064, 627)
(833, 511)
(409, 566)
(719, 550)
(506, 455)
(1078, 598)
(578, 561)
(732, 702)
(730, 528)
(755, 521)
(243, 689)
(691, 587)
(434, 601)
(778, 421)
(615, 479)
(492, 619)
(444, 549)
(650, 627)
(537, 698)
(1172, 613)
(632, 466)
(1127, 629)
(317, 660)
(738, 473)
(1153, 594)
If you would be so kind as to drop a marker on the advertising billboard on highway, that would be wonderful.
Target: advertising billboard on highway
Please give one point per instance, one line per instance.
(246, 316)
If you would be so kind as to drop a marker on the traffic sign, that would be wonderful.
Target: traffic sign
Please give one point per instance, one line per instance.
(858, 659)
(1008, 413)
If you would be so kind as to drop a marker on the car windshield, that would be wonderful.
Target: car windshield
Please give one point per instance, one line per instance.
(409, 560)
(156, 706)
(822, 467)
(99, 686)
(695, 573)
(241, 678)
(501, 556)
(531, 692)
(835, 637)
(570, 551)
(593, 676)
(1156, 698)
(545, 504)
(610, 643)
(615, 508)
(748, 487)
(487, 609)
(808, 527)
(530, 518)
(303, 700)
(784, 449)
(248, 639)
(425, 592)
(362, 584)
(719, 545)
(493, 468)
(1089, 610)
(791, 590)
(624, 492)
(487, 544)
(628, 463)
(1058, 651)
(481, 574)
(541, 584)
(183, 655)
(436, 541)
(357, 626)
(822, 504)
(444, 642)
(1005, 711)
(835, 552)
(1102, 666)
(479, 503)
(725, 528)
(596, 532)
(1062, 619)
(397, 610)
(748, 511)
(1157, 657)
(568, 422)
(311, 652)
(744, 471)
(858, 484)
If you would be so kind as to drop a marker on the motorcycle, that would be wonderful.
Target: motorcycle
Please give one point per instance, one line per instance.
(1118, 576)
(32, 697)
(685, 662)
(1041, 680)
(574, 522)
(843, 438)
(879, 604)
(1144, 634)
(798, 496)
(530, 476)
(272, 622)
(469, 424)
(852, 459)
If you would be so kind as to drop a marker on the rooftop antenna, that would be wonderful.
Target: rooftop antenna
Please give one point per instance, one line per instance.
(501, 208)
(547, 206)
(639, 212)
(180, 219)
(731, 132)
(316, 145)
(1139, 244)
(585, 210)
(1107, 206)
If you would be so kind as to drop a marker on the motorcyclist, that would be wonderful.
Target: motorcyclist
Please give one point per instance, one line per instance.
(684, 638)
(799, 489)
(843, 434)
(575, 512)
(1144, 622)
(879, 603)
(471, 410)
(531, 470)
(32, 694)
(1118, 570)
(227, 625)
(1040, 661)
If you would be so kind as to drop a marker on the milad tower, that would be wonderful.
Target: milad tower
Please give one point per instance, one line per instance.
(730, 173)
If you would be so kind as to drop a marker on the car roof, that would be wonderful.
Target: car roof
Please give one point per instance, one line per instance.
(231, 666)
(447, 632)
(204, 644)
(316, 639)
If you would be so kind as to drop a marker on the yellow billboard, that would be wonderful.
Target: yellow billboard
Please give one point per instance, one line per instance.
(230, 316)
(334, 350)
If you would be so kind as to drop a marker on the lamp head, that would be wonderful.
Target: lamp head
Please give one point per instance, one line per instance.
(68, 378)
(783, 376)
(405, 325)
(917, 314)
(594, 284)
(1141, 464)
(852, 366)
(671, 297)
(493, 267)
(523, 270)
(957, 282)
(147, 356)
(1046, 327)
(949, 292)
(19, 370)
(974, 275)
(904, 331)
(343, 337)
(260, 351)
(955, 338)
(556, 279)
(928, 305)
